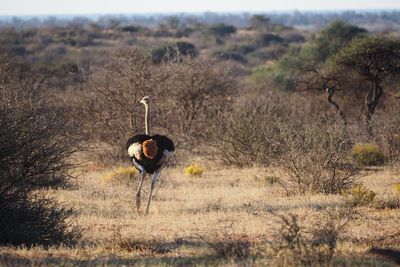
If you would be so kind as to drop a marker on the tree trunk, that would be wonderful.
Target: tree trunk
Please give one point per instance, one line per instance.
(372, 98)
(331, 91)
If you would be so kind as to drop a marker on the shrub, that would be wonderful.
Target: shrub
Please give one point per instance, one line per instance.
(266, 129)
(389, 202)
(186, 96)
(316, 158)
(260, 72)
(222, 30)
(298, 246)
(249, 134)
(121, 175)
(194, 94)
(130, 28)
(35, 219)
(386, 127)
(359, 195)
(268, 39)
(108, 111)
(36, 143)
(173, 51)
(194, 170)
(232, 246)
(268, 180)
(229, 244)
(242, 49)
(367, 154)
(230, 56)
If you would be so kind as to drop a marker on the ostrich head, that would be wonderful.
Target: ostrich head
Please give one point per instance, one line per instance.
(145, 100)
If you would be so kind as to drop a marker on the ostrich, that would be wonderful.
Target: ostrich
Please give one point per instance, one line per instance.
(149, 153)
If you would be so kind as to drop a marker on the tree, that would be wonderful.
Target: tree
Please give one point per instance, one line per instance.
(333, 38)
(301, 62)
(374, 59)
(259, 21)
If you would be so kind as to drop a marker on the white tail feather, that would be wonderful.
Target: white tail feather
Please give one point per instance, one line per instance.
(135, 150)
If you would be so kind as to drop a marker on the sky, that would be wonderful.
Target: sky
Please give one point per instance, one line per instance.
(67, 7)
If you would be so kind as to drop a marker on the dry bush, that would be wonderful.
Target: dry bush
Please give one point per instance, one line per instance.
(388, 202)
(173, 51)
(236, 247)
(144, 247)
(386, 127)
(228, 244)
(317, 158)
(298, 245)
(110, 111)
(186, 95)
(195, 93)
(267, 180)
(250, 133)
(36, 143)
(313, 151)
(35, 219)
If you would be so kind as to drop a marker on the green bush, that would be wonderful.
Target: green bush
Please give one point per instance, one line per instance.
(368, 155)
(260, 73)
(359, 195)
(269, 39)
(222, 30)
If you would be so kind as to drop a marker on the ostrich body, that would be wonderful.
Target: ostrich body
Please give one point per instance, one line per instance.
(149, 153)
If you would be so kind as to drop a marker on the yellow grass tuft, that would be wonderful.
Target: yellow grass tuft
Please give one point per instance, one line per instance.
(396, 188)
(121, 175)
(194, 170)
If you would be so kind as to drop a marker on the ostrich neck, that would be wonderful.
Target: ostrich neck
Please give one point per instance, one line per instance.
(147, 119)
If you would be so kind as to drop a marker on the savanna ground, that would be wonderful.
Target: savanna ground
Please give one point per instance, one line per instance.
(226, 216)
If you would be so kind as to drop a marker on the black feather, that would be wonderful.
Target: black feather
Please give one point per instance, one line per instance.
(163, 143)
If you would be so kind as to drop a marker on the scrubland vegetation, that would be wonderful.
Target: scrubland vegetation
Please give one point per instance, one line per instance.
(287, 144)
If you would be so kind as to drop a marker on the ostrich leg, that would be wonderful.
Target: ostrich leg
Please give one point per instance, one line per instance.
(143, 174)
(153, 183)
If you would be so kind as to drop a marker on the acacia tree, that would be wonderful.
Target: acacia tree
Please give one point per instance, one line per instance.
(333, 38)
(302, 67)
(375, 60)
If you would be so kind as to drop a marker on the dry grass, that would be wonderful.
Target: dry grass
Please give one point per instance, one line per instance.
(225, 217)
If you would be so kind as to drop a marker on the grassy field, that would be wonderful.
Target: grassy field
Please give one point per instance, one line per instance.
(225, 217)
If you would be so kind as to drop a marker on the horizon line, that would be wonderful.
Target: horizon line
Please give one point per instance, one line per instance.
(203, 12)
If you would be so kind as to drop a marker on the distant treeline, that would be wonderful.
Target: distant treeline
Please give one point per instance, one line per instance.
(374, 20)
